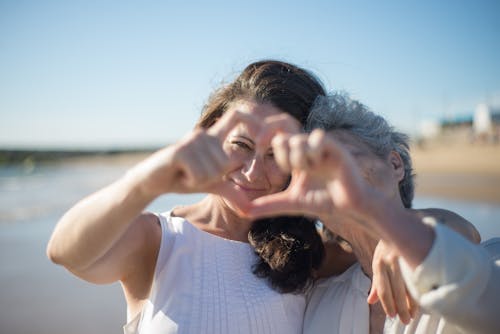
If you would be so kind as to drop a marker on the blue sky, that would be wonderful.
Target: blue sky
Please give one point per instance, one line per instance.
(133, 73)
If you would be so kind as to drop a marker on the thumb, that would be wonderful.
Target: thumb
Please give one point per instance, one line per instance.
(241, 203)
(373, 296)
(274, 205)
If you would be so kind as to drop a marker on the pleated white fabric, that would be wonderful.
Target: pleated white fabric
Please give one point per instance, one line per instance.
(204, 284)
(337, 305)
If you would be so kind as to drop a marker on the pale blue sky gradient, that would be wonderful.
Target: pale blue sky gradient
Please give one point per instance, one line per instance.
(133, 73)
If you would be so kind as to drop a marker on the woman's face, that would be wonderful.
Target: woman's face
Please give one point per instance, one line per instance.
(381, 173)
(256, 173)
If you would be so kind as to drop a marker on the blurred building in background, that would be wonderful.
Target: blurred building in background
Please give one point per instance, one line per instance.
(481, 126)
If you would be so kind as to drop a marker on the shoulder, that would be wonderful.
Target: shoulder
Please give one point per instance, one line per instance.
(453, 221)
(144, 233)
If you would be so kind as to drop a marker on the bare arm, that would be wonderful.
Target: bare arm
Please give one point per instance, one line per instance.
(105, 237)
(89, 236)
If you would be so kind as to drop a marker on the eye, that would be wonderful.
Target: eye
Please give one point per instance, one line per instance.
(241, 145)
(270, 154)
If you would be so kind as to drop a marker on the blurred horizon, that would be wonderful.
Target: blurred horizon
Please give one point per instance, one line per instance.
(117, 75)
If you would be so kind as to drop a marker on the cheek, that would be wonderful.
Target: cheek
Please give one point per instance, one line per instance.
(377, 174)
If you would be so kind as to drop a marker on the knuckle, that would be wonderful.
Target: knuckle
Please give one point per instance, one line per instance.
(296, 141)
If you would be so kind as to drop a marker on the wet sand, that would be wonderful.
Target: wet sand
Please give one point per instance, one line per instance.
(459, 171)
(38, 297)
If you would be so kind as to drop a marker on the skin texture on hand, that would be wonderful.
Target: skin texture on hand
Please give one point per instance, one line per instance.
(322, 179)
(388, 285)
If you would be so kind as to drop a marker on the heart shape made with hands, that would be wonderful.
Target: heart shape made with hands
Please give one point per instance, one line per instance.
(262, 130)
(325, 176)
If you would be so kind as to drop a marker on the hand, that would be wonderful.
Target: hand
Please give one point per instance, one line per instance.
(388, 286)
(194, 164)
(325, 178)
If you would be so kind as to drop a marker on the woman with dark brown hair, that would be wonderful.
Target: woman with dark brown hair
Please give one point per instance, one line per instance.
(190, 269)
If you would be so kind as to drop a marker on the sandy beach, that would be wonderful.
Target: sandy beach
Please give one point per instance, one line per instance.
(39, 297)
(458, 170)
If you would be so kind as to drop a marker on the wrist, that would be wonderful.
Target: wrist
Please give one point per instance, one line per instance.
(153, 177)
(406, 231)
(133, 192)
(135, 181)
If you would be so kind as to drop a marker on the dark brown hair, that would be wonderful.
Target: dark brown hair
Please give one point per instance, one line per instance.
(289, 250)
(286, 86)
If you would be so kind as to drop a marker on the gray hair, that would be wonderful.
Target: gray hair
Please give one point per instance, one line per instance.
(338, 111)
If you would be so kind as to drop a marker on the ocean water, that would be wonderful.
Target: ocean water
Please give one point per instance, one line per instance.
(49, 190)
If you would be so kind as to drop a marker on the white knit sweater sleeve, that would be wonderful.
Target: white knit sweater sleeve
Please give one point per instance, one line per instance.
(458, 281)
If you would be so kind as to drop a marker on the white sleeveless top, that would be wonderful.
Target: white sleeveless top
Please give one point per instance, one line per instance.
(204, 284)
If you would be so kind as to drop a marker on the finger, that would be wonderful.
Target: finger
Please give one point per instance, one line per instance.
(219, 159)
(399, 294)
(385, 293)
(282, 123)
(228, 122)
(239, 198)
(298, 152)
(274, 205)
(240, 201)
(204, 163)
(412, 304)
(199, 172)
(281, 151)
(317, 147)
(373, 296)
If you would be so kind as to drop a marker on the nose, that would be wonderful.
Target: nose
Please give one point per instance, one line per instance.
(253, 169)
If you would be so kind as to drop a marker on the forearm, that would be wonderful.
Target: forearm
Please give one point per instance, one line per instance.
(401, 228)
(361, 243)
(377, 217)
(91, 228)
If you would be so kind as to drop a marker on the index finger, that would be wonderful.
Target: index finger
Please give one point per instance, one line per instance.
(282, 123)
(229, 120)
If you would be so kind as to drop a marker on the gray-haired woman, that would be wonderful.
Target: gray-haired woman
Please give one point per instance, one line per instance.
(357, 179)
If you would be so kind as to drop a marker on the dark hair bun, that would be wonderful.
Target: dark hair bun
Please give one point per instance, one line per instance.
(289, 248)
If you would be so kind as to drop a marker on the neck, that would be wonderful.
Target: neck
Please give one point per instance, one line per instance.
(213, 215)
(337, 259)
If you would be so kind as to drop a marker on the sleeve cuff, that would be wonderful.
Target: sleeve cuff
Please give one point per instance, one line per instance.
(454, 269)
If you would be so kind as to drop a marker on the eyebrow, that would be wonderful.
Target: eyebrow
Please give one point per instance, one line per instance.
(244, 137)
